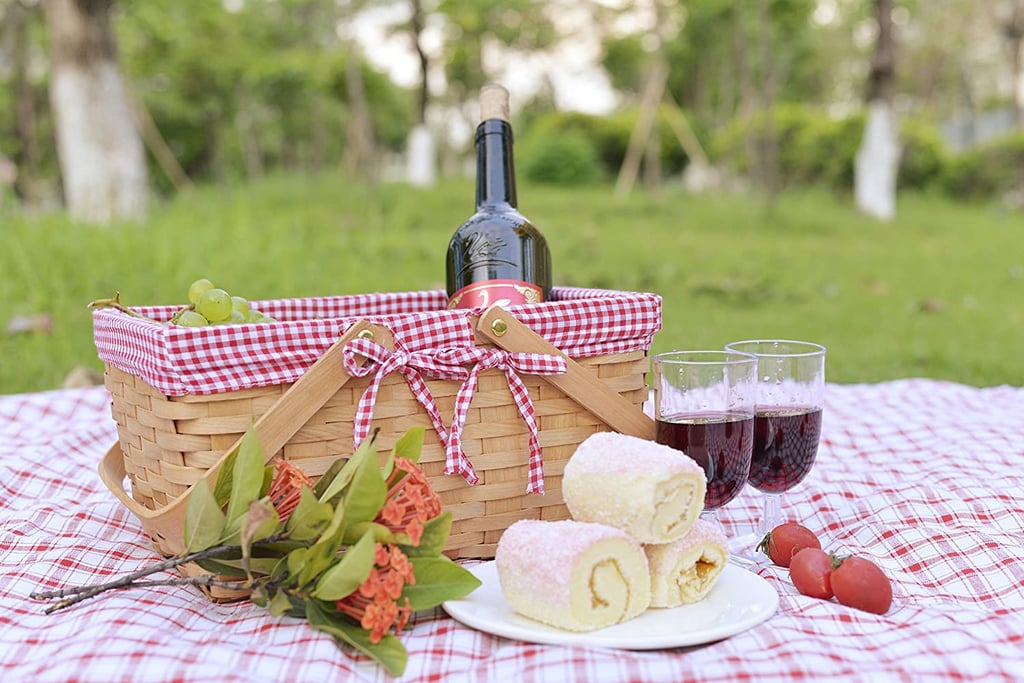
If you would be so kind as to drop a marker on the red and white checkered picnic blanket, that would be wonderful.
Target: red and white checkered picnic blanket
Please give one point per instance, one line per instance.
(924, 477)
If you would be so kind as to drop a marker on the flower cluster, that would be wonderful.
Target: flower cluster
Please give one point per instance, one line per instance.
(355, 554)
(377, 605)
(411, 502)
(286, 488)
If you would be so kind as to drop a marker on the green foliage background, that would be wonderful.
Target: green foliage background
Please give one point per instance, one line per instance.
(936, 293)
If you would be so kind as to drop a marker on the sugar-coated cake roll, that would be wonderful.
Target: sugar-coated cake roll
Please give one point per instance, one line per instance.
(686, 570)
(652, 491)
(573, 575)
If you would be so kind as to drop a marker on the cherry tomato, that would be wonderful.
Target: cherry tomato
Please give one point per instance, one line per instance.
(782, 542)
(811, 570)
(858, 582)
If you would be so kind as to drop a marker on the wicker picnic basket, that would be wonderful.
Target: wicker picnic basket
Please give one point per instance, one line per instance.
(337, 367)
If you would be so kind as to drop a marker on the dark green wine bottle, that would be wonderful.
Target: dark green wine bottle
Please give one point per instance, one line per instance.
(497, 256)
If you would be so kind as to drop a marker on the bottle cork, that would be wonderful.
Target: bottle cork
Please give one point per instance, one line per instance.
(493, 102)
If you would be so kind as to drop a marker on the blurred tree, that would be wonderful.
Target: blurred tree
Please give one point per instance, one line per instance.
(1009, 16)
(27, 155)
(878, 158)
(483, 37)
(101, 154)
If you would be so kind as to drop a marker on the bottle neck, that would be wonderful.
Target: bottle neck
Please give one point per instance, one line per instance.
(495, 168)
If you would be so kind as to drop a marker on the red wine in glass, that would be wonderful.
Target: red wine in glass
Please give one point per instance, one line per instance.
(720, 443)
(785, 445)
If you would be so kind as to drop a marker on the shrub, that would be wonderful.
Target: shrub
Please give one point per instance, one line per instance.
(560, 159)
(609, 137)
(993, 168)
(815, 148)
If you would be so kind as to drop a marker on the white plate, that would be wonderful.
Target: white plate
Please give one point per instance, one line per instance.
(739, 601)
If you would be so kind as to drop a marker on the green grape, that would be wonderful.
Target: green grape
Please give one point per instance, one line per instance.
(196, 289)
(258, 317)
(237, 318)
(214, 305)
(241, 305)
(192, 319)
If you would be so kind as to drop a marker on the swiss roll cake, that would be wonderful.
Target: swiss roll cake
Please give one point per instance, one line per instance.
(651, 491)
(572, 575)
(686, 570)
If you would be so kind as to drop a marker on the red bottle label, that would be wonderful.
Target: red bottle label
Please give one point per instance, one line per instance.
(500, 292)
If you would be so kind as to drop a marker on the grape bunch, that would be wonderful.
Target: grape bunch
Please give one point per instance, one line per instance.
(213, 306)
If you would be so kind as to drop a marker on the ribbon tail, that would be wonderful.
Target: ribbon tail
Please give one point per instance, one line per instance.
(364, 411)
(422, 393)
(456, 461)
(535, 480)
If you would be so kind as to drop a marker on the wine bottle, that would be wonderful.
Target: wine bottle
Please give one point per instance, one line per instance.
(497, 256)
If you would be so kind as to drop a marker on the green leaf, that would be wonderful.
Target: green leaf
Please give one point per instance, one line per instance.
(318, 558)
(389, 652)
(410, 445)
(381, 534)
(366, 495)
(296, 561)
(438, 579)
(263, 566)
(247, 478)
(320, 487)
(342, 579)
(268, 479)
(260, 522)
(309, 518)
(344, 477)
(435, 536)
(332, 535)
(222, 567)
(258, 596)
(204, 522)
(279, 604)
(222, 489)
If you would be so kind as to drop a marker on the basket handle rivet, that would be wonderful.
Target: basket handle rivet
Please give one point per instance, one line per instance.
(499, 327)
(365, 334)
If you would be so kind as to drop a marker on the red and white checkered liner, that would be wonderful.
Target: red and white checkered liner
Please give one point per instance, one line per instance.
(924, 477)
(211, 360)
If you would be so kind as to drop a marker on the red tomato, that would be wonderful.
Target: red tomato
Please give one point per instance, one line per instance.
(811, 570)
(859, 583)
(782, 542)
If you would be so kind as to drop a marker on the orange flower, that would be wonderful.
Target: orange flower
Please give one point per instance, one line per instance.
(286, 488)
(411, 502)
(374, 605)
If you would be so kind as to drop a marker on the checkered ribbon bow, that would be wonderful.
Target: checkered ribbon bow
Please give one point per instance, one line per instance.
(512, 364)
(381, 364)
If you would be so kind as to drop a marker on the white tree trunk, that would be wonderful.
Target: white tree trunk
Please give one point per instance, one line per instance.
(102, 159)
(421, 167)
(877, 162)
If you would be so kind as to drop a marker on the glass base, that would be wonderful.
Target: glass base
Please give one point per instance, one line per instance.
(743, 549)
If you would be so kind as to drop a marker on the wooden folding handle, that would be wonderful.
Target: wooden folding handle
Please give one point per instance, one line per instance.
(504, 330)
(112, 474)
(310, 392)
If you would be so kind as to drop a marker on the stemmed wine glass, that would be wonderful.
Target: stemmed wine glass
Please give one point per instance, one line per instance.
(787, 426)
(704, 405)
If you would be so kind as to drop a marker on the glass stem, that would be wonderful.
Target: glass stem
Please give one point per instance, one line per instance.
(771, 513)
(711, 516)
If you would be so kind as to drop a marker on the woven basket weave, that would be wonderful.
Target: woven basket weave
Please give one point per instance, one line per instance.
(168, 443)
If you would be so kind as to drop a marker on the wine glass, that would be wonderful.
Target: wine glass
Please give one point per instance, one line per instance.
(704, 404)
(787, 425)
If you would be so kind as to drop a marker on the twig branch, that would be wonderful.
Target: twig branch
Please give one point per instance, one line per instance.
(206, 580)
(76, 594)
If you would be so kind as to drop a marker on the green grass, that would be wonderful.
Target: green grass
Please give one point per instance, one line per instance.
(935, 293)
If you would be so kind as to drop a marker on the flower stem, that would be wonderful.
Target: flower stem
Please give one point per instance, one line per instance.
(75, 594)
